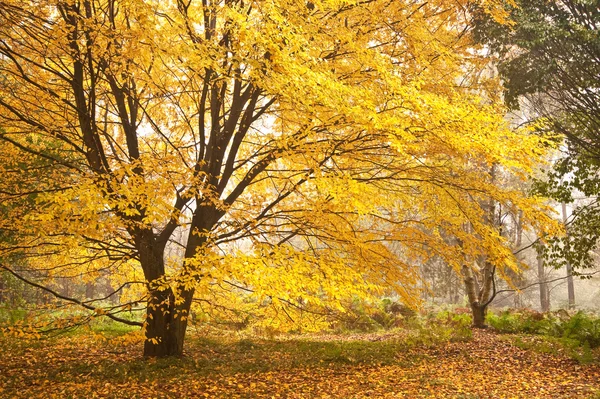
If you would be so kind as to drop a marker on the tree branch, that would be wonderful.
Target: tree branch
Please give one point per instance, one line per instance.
(73, 300)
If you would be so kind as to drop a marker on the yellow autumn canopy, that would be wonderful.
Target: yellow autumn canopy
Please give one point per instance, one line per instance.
(284, 154)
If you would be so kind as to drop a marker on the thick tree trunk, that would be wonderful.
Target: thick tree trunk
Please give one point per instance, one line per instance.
(166, 317)
(479, 282)
(479, 313)
(472, 293)
(478, 296)
(166, 324)
(168, 311)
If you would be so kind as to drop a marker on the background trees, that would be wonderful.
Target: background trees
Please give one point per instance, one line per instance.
(264, 153)
(550, 65)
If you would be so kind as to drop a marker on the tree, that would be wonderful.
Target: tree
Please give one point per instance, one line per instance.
(570, 285)
(549, 60)
(287, 144)
(544, 289)
(480, 281)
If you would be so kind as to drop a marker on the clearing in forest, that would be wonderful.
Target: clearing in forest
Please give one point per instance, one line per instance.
(489, 365)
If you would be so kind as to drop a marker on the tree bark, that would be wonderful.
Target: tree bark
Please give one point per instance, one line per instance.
(570, 285)
(478, 307)
(481, 292)
(479, 311)
(2, 289)
(519, 278)
(169, 308)
(90, 289)
(544, 292)
(166, 324)
(166, 317)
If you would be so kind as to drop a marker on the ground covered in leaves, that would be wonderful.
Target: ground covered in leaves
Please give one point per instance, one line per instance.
(488, 365)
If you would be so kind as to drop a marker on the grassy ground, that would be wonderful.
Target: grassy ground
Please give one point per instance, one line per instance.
(86, 364)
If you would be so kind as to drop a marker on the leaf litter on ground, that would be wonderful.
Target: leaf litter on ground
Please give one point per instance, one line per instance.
(360, 366)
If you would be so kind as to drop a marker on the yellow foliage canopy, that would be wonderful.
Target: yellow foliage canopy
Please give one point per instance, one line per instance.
(297, 152)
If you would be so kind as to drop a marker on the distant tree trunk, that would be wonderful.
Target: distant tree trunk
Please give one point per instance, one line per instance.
(479, 295)
(570, 285)
(66, 285)
(544, 291)
(519, 279)
(449, 275)
(2, 288)
(90, 289)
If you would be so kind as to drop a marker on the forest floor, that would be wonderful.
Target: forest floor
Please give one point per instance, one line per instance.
(488, 365)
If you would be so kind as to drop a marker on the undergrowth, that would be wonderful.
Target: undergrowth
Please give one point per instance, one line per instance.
(577, 335)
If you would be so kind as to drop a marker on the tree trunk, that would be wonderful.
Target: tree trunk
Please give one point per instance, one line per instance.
(166, 324)
(168, 311)
(519, 279)
(479, 283)
(90, 289)
(478, 307)
(479, 313)
(544, 292)
(570, 285)
(166, 317)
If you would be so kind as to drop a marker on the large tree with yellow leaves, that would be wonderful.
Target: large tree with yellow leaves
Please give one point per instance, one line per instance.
(298, 153)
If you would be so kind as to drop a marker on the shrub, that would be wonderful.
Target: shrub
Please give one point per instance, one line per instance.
(581, 327)
(12, 315)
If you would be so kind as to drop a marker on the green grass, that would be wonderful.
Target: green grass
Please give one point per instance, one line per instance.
(111, 328)
(10, 315)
